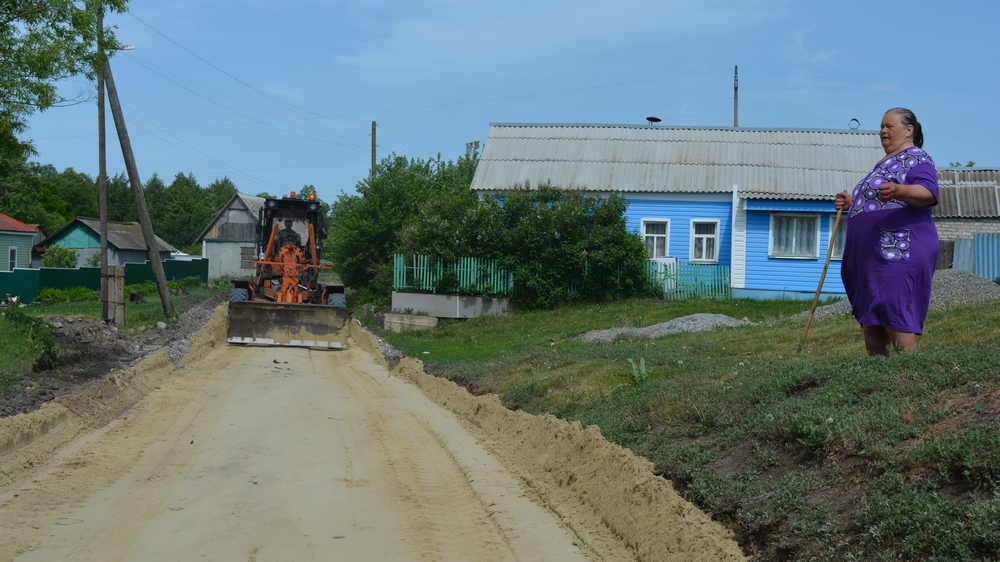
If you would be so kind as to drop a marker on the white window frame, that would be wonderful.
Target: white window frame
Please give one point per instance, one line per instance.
(772, 252)
(838, 252)
(666, 236)
(11, 258)
(714, 237)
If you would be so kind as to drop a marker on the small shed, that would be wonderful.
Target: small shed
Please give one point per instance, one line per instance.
(228, 241)
(125, 241)
(16, 238)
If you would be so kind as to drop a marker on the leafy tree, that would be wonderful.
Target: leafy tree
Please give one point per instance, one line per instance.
(970, 164)
(42, 42)
(59, 256)
(185, 213)
(554, 240)
(218, 193)
(121, 203)
(364, 230)
(21, 194)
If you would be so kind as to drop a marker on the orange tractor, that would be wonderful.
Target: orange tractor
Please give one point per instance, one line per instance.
(285, 303)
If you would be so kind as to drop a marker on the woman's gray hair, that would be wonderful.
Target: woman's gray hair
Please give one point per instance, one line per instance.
(907, 118)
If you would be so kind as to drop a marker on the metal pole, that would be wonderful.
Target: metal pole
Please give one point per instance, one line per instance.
(373, 150)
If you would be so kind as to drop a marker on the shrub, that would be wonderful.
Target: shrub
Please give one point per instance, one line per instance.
(40, 336)
(59, 256)
(72, 294)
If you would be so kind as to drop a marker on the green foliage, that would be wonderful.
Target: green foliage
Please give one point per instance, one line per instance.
(59, 256)
(639, 373)
(364, 230)
(42, 43)
(121, 202)
(72, 294)
(39, 336)
(562, 245)
(145, 288)
(94, 260)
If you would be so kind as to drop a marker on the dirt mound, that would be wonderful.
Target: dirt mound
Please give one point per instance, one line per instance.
(691, 323)
(90, 350)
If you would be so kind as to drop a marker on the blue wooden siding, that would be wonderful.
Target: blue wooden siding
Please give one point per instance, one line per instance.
(77, 236)
(785, 274)
(680, 214)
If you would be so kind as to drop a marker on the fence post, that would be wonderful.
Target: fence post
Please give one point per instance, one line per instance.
(116, 295)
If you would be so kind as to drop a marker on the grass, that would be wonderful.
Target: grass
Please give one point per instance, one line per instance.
(824, 455)
(27, 343)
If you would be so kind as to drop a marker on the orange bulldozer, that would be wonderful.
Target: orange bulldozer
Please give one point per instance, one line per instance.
(284, 303)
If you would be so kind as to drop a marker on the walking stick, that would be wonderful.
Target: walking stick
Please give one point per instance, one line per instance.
(829, 252)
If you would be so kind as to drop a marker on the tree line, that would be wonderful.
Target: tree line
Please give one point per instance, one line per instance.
(39, 194)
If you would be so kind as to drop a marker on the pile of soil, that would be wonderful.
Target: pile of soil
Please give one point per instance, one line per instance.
(90, 349)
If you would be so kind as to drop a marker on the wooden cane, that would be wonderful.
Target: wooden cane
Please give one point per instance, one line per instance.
(829, 253)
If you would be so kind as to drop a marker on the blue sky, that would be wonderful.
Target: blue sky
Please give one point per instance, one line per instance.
(280, 94)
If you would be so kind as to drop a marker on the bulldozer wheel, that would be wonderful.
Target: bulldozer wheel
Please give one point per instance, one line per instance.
(336, 299)
(239, 295)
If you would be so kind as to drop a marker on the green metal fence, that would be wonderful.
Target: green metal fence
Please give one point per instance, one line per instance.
(680, 280)
(26, 283)
(467, 275)
(674, 281)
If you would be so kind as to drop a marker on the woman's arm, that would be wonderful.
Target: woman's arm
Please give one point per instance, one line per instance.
(911, 194)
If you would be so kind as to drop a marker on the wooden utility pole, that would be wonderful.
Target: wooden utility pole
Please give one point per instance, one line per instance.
(373, 150)
(152, 248)
(102, 175)
(736, 96)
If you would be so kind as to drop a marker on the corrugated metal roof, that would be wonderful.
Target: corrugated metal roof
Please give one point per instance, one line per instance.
(10, 224)
(764, 163)
(124, 235)
(968, 200)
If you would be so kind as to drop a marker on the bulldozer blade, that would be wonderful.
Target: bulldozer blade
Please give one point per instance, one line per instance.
(293, 325)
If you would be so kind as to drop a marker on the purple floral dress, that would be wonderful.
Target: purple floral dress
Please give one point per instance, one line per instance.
(891, 248)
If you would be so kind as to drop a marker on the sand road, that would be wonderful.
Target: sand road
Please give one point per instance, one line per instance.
(257, 454)
(290, 454)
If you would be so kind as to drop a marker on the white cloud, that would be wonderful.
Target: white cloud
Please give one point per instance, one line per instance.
(452, 34)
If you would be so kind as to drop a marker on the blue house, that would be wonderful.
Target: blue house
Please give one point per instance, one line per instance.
(759, 201)
(125, 241)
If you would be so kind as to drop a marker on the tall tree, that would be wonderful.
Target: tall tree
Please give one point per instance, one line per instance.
(364, 230)
(42, 42)
(121, 206)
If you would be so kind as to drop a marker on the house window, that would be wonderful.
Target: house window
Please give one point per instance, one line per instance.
(656, 232)
(794, 236)
(11, 258)
(839, 241)
(704, 241)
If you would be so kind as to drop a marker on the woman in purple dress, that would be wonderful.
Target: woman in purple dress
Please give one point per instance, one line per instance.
(892, 244)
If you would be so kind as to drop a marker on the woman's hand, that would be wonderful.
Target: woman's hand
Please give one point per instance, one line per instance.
(842, 202)
(888, 191)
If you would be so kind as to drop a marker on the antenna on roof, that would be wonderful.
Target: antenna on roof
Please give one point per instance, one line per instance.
(653, 120)
(854, 124)
(736, 97)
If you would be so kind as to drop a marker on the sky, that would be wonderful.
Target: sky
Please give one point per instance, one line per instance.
(277, 95)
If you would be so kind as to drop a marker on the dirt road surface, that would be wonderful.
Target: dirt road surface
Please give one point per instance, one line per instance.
(264, 454)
